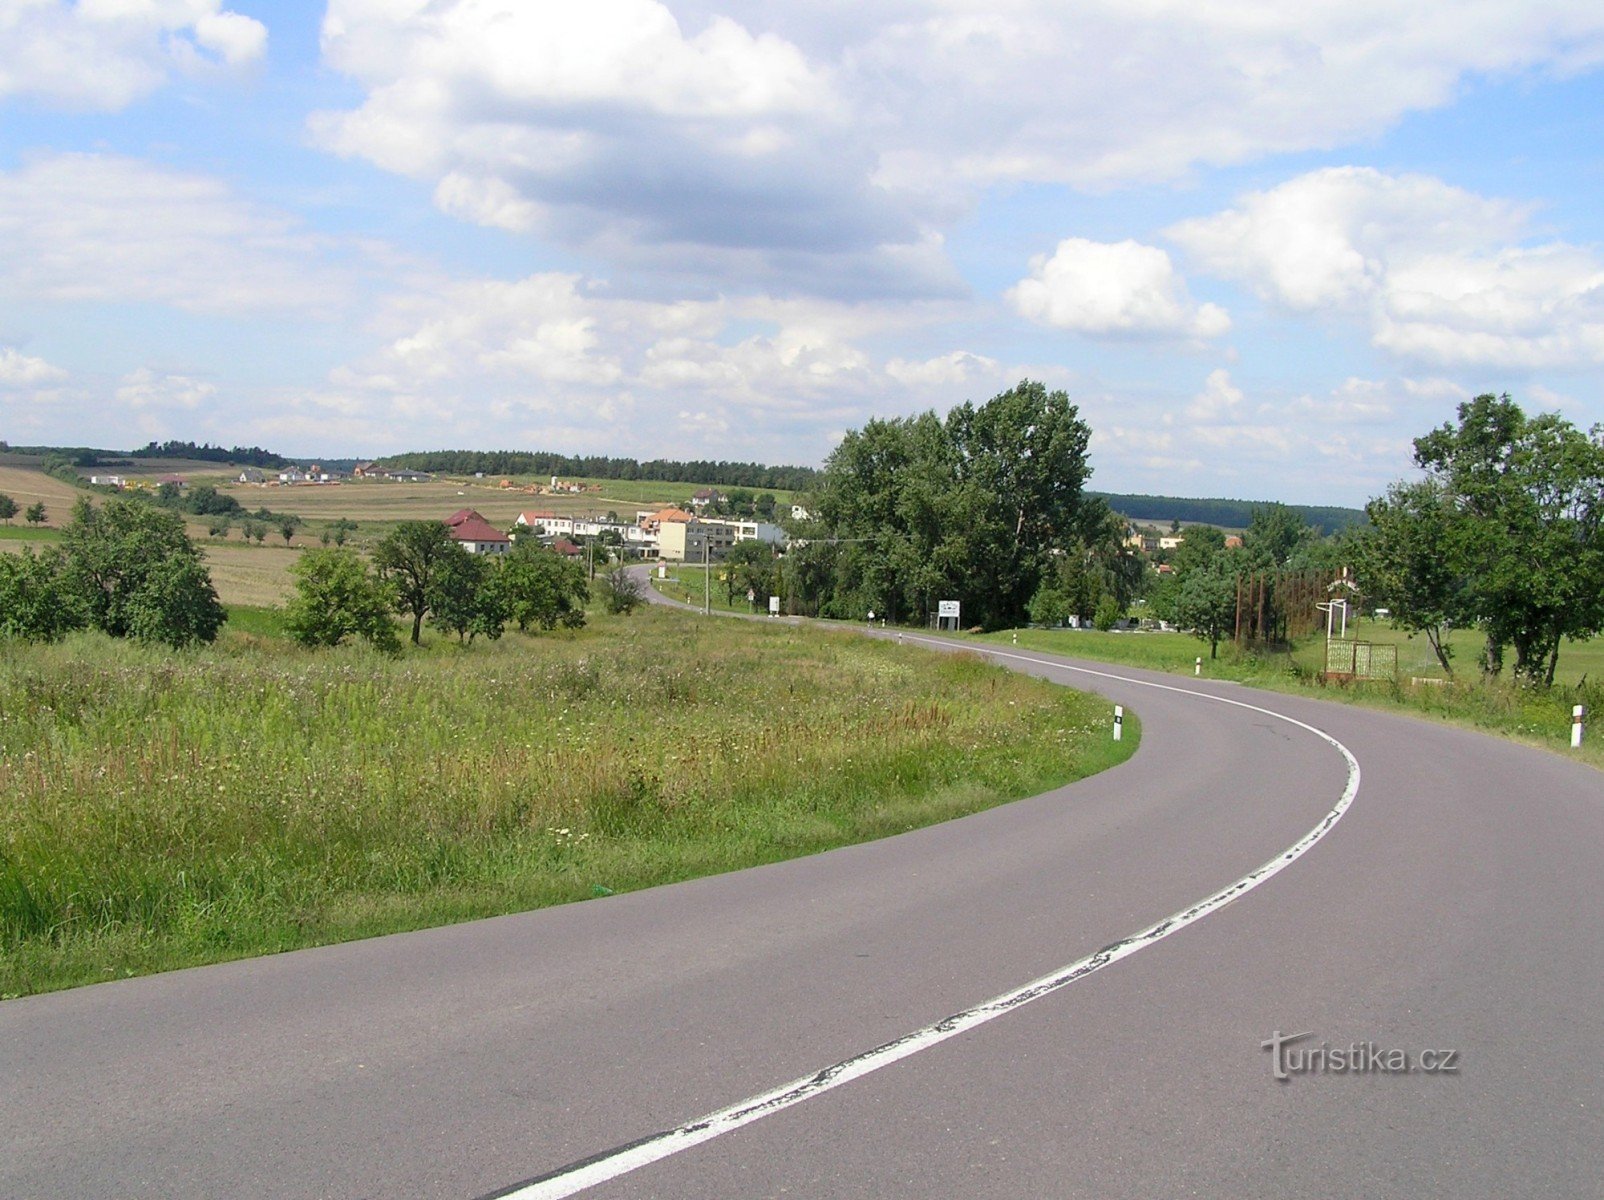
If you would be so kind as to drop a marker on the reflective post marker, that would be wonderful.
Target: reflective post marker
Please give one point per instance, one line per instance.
(1119, 721)
(1577, 714)
(1197, 667)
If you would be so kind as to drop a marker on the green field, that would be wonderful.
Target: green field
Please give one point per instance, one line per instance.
(160, 809)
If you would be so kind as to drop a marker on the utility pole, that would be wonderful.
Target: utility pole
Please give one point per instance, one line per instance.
(707, 576)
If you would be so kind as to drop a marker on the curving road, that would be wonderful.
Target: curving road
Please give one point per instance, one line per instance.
(1455, 907)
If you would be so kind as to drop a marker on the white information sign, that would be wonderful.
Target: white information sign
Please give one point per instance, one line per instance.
(947, 608)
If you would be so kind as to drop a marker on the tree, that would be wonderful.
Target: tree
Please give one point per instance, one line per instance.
(1529, 497)
(407, 559)
(749, 568)
(135, 573)
(8, 508)
(177, 605)
(542, 588)
(1049, 607)
(287, 526)
(36, 602)
(36, 513)
(1206, 602)
(968, 508)
(1274, 535)
(219, 527)
(465, 597)
(337, 597)
(1409, 561)
(621, 591)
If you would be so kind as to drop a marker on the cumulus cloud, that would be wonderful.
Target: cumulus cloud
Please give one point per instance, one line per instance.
(1438, 273)
(819, 150)
(145, 388)
(554, 360)
(1120, 288)
(958, 367)
(18, 370)
(92, 227)
(106, 54)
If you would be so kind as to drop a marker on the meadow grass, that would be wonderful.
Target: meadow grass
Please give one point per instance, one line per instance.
(161, 810)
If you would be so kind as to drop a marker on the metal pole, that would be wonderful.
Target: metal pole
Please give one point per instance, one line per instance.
(707, 576)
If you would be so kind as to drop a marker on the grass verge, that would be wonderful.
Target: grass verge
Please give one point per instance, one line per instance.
(166, 810)
(1535, 716)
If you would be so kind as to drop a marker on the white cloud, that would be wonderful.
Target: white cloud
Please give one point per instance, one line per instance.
(18, 370)
(1120, 288)
(145, 388)
(1219, 399)
(820, 150)
(554, 360)
(958, 367)
(106, 54)
(1438, 273)
(102, 228)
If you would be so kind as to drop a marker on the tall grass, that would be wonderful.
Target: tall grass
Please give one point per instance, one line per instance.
(161, 809)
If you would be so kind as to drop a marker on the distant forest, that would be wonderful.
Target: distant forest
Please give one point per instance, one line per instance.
(1228, 514)
(84, 456)
(660, 470)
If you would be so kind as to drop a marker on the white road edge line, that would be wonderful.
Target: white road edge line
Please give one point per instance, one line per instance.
(577, 1177)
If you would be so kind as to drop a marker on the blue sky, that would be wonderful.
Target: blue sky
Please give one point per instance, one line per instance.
(1261, 249)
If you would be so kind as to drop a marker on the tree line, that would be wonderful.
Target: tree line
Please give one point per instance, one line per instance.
(518, 462)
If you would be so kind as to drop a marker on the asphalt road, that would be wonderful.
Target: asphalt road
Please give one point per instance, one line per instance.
(1455, 907)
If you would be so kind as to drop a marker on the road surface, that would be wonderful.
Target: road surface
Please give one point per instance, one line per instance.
(1452, 914)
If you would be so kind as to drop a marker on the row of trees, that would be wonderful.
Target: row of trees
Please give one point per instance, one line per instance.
(1505, 533)
(518, 462)
(36, 514)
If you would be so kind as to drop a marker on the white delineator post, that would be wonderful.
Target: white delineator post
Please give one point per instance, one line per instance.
(1119, 721)
(1577, 714)
(1197, 667)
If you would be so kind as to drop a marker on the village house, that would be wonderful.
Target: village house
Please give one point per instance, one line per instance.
(475, 534)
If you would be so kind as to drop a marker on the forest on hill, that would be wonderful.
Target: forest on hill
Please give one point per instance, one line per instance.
(1228, 514)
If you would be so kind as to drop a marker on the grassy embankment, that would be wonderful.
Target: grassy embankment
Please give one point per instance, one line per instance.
(1532, 715)
(162, 810)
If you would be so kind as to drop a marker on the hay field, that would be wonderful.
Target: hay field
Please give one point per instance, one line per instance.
(27, 486)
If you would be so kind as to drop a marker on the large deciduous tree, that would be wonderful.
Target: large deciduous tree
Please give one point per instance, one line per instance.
(135, 573)
(1410, 561)
(1527, 494)
(408, 560)
(919, 509)
(541, 588)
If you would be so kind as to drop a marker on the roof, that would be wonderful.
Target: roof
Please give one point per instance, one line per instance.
(673, 514)
(474, 528)
(464, 514)
(564, 546)
(529, 518)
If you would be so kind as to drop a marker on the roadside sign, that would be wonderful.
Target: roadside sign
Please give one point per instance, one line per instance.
(774, 606)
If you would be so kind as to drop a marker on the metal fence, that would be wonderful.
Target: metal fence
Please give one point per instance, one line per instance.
(1360, 660)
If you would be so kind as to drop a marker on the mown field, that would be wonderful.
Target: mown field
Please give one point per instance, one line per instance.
(159, 810)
